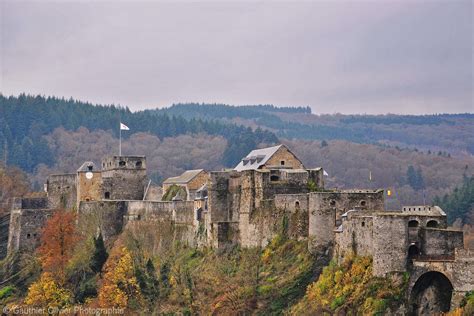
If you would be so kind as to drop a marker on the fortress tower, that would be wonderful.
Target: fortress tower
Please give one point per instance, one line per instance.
(123, 177)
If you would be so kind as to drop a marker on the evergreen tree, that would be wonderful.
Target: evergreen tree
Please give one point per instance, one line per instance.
(100, 255)
(415, 178)
(460, 203)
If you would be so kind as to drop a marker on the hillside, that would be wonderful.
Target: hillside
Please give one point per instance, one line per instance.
(25, 119)
(451, 133)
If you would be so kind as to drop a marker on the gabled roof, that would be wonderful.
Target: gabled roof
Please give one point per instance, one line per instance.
(87, 166)
(184, 178)
(256, 158)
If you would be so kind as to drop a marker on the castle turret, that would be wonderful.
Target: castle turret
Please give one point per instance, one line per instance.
(123, 177)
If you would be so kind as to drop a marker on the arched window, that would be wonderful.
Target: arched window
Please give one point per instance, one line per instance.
(413, 223)
(297, 205)
(432, 223)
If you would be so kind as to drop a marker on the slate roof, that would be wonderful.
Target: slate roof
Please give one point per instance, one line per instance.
(184, 178)
(86, 167)
(256, 158)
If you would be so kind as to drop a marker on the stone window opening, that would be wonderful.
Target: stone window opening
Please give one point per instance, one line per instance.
(28, 235)
(282, 163)
(139, 217)
(87, 199)
(89, 168)
(362, 224)
(122, 163)
(274, 178)
(332, 203)
(138, 164)
(297, 205)
(363, 203)
(432, 223)
(413, 223)
(413, 251)
(107, 195)
(199, 214)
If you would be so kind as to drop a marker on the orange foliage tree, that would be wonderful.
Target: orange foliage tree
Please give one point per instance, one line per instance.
(58, 240)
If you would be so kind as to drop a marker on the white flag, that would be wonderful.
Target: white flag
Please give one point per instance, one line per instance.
(124, 127)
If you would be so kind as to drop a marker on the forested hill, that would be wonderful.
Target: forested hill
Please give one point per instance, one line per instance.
(24, 120)
(418, 157)
(445, 132)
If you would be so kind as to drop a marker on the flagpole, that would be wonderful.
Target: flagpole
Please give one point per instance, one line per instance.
(120, 142)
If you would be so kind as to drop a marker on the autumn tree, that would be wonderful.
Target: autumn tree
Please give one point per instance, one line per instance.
(120, 286)
(57, 243)
(47, 292)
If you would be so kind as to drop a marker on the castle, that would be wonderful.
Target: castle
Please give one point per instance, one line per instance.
(248, 205)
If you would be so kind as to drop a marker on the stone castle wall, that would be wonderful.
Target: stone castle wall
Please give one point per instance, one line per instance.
(110, 217)
(326, 209)
(355, 236)
(440, 242)
(62, 191)
(27, 220)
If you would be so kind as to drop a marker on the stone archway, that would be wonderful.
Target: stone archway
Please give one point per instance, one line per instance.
(431, 294)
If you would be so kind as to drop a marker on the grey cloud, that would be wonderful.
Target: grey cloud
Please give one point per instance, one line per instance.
(349, 57)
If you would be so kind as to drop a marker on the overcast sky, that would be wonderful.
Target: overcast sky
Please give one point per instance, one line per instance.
(348, 57)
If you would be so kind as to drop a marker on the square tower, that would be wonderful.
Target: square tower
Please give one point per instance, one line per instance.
(123, 177)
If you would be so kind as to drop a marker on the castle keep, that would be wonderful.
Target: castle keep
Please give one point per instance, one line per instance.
(269, 190)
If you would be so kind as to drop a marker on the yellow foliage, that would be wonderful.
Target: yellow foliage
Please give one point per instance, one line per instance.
(457, 312)
(120, 285)
(46, 292)
(349, 286)
(266, 255)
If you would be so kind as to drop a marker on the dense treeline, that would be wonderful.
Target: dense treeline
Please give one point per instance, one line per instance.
(189, 110)
(25, 119)
(460, 202)
(405, 119)
(445, 132)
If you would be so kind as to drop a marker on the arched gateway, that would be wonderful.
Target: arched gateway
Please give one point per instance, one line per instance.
(431, 294)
